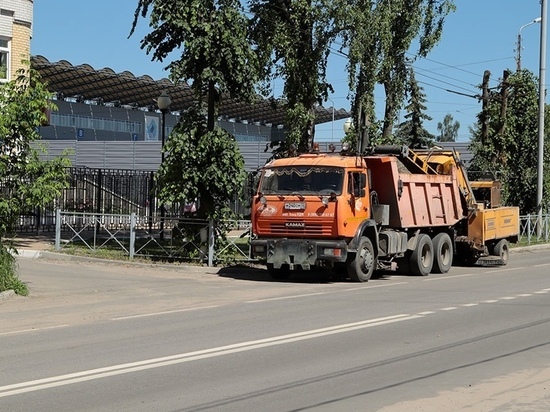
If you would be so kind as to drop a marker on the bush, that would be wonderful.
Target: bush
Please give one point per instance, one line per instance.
(8, 273)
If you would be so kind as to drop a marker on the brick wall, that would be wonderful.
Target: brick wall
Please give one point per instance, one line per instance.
(16, 17)
(20, 48)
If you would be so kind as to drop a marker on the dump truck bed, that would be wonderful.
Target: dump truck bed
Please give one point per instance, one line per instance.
(415, 199)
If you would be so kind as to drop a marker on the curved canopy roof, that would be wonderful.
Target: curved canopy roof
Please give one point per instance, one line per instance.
(88, 84)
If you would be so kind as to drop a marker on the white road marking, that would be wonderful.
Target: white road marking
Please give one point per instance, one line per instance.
(490, 301)
(428, 312)
(15, 332)
(508, 298)
(92, 374)
(465, 275)
(467, 305)
(525, 295)
(144, 315)
(449, 308)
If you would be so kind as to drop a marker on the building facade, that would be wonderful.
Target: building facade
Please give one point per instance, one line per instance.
(16, 17)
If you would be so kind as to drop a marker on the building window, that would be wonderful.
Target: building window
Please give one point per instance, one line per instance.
(4, 60)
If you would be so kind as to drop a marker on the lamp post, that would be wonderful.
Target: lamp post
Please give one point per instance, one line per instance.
(542, 98)
(163, 103)
(332, 125)
(518, 46)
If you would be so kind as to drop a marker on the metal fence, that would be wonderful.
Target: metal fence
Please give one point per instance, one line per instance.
(105, 192)
(531, 231)
(187, 239)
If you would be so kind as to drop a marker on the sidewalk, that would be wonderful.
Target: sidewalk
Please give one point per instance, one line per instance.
(32, 246)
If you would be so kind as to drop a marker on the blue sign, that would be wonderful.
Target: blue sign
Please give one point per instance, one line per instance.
(135, 137)
(80, 133)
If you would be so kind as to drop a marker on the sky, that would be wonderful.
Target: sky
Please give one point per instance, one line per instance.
(480, 35)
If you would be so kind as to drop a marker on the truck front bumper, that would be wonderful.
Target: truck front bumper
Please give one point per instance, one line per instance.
(298, 252)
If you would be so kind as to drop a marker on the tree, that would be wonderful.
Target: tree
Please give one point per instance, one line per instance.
(26, 181)
(448, 129)
(411, 132)
(293, 39)
(217, 60)
(378, 37)
(510, 148)
(201, 164)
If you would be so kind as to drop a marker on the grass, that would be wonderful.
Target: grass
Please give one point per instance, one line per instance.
(152, 251)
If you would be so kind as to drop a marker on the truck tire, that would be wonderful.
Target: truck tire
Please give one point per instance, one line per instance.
(501, 250)
(422, 257)
(361, 265)
(278, 274)
(443, 253)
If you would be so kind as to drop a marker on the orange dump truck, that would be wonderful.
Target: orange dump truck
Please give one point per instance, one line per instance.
(394, 209)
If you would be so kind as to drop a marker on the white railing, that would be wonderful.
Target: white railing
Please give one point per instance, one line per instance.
(533, 232)
(187, 238)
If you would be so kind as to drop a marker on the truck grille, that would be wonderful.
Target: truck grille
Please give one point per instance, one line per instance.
(307, 229)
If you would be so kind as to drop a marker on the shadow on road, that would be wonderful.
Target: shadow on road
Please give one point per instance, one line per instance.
(259, 274)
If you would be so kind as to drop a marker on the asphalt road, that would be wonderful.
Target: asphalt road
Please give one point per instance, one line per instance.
(100, 337)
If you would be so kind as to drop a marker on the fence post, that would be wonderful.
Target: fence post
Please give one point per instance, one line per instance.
(528, 229)
(211, 238)
(98, 199)
(132, 235)
(151, 200)
(546, 228)
(57, 229)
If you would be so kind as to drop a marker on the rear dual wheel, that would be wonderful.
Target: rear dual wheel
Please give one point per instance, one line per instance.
(443, 253)
(421, 259)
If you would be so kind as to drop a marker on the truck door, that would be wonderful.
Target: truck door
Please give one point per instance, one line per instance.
(356, 206)
(357, 190)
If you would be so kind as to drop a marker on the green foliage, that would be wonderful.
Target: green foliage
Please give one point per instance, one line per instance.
(201, 164)
(448, 129)
(509, 151)
(412, 132)
(202, 161)
(8, 273)
(378, 36)
(211, 36)
(293, 39)
(27, 182)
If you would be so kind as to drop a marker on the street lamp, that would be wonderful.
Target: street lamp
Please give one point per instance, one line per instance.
(163, 103)
(332, 126)
(518, 46)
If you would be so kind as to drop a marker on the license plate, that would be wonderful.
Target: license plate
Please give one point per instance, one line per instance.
(295, 205)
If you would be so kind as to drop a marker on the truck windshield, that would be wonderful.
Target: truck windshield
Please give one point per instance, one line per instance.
(302, 180)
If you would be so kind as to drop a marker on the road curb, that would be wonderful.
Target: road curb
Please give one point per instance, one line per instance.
(7, 294)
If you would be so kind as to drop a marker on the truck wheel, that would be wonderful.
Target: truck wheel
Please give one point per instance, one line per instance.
(501, 250)
(278, 274)
(361, 266)
(422, 257)
(443, 253)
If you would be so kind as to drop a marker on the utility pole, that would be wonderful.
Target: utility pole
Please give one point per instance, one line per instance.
(542, 98)
(503, 101)
(484, 106)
